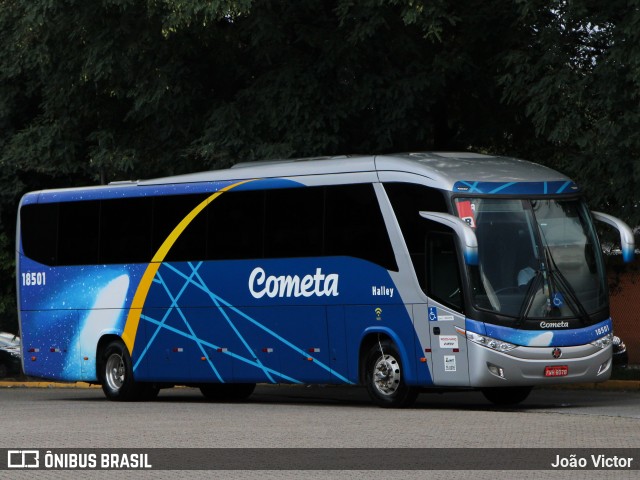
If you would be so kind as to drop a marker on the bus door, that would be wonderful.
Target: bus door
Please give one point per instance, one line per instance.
(449, 363)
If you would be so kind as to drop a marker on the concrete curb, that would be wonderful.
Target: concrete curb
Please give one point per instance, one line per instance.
(44, 384)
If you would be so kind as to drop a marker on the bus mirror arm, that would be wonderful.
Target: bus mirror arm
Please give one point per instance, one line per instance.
(464, 232)
(626, 234)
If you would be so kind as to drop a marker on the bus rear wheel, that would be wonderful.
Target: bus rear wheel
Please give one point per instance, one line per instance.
(384, 379)
(506, 395)
(115, 371)
(227, 392)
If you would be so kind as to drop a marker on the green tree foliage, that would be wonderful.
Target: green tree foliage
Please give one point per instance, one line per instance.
(367, 76)
(102, 90)
(94, 91)
(576, 75)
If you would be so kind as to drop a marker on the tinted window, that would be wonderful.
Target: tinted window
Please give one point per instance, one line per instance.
(354, 225)
(235, 226)
(79, 224)
(168, 212)
(125, 230)
(340, 220)
(407, 200)
(293, 226)
(39, 227)
(443, 275)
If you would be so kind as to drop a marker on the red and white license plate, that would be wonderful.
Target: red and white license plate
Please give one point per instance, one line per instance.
(556, 371)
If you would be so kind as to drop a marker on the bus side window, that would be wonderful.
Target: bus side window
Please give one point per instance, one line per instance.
(354, 225)
(235, 226)
(125, 238)
(407, 201)
(442, 271)
(79, 225)
(39, 226)
(168, 212)
(293, 222)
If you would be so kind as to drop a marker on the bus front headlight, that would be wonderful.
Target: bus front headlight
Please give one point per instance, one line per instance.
(603, 342)
(492, 343)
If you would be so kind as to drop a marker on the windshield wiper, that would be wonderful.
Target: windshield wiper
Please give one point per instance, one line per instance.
(557, 274)
(529, 297)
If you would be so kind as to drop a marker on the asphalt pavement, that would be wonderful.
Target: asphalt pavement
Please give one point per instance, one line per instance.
(625, 385)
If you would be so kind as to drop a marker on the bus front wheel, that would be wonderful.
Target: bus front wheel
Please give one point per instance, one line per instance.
(116, 375)
(384, 379)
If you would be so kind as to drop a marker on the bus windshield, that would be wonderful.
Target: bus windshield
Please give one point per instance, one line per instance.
(538, 258)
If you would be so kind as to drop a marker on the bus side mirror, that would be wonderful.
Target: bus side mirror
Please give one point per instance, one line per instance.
(626, 234)
(464, 232)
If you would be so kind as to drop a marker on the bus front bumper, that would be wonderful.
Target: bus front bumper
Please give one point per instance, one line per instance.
(537, 366)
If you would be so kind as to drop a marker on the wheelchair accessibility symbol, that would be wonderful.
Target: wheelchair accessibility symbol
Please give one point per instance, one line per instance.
(433, 314)
(558, 300)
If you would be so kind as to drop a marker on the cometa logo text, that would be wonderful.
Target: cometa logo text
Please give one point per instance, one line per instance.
(292, 286)
(554, 324)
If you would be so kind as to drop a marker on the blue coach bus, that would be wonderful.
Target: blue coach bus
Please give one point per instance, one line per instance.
(399, 272)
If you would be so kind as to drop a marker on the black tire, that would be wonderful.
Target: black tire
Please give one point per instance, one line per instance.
(227, 392)
(4, 370)
(506, 396)
(115, 371)
(383, 377)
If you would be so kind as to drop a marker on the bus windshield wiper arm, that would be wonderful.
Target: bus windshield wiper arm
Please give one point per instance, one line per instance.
(557, 274)
(528, 298)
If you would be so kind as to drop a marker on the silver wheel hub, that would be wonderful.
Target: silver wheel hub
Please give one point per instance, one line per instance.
(115, 372)
(386, 375)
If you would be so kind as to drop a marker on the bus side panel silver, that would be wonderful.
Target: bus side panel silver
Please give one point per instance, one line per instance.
(423, 343)
(449, 349)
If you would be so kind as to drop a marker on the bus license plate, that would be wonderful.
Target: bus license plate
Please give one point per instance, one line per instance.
(556, 371)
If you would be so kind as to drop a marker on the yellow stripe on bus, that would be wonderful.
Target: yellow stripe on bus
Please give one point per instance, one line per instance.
(133, 319)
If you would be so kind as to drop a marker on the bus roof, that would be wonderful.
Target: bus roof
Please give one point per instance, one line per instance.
(463, 172)
(445, 167)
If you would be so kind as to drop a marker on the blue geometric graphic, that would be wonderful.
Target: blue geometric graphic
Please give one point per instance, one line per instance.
(517, 188)
(237, 333)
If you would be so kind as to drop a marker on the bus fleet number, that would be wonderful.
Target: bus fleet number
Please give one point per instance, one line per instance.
(31, 279)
